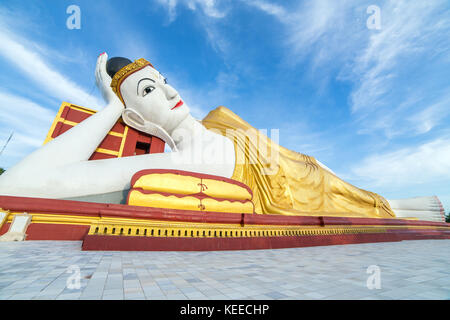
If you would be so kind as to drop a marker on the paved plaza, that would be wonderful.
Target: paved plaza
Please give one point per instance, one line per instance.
(49, 270)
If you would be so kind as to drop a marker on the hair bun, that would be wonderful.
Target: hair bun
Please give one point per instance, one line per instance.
(115, 64)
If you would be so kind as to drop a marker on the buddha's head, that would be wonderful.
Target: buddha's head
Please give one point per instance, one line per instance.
(147, 97)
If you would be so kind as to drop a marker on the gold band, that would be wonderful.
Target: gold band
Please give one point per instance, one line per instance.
(123, 73)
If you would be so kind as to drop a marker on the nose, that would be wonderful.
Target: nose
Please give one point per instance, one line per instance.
(170, 92)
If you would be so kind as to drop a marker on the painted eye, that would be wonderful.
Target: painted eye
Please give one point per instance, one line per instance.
(147, 90)
(165, 81)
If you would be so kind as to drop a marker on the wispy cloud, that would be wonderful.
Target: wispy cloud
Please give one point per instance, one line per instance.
(23, 114)
(28, 120)
(431, 116)
(409, 30)
(419, 164)
(379, 63)
(318, 29)
(209, 8)
(271, 9)
(44, 75)
(171, 7)
(399, 86)
(202, 99)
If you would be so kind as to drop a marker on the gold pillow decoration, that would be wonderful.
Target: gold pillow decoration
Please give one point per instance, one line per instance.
(184, 190)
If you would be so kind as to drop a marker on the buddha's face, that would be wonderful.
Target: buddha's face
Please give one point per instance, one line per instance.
(147, 92)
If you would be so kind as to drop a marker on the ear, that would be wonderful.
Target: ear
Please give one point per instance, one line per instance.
(134, 119)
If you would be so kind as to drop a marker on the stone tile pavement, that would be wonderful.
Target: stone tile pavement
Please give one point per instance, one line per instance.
(50, 269)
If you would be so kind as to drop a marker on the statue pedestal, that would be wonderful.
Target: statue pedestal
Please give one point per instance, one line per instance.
(125, 227)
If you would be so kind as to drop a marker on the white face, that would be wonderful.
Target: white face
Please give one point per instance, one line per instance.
(147, 92)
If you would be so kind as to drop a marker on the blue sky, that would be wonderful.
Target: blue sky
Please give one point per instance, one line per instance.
(373, 105)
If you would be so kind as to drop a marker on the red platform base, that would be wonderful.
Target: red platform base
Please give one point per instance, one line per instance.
(54, 214)
(131, 243)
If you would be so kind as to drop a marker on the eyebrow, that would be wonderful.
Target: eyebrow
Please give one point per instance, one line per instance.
(137, 87)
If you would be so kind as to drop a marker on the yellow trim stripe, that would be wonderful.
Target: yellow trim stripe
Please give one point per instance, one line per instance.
(73, 124)
(73, 219)
(207, 231)
(83, 109)
(155, 228)
(122, 144)
(5, 219)
(106, 151)
(116, 134)
(70, 123)
(55, 121)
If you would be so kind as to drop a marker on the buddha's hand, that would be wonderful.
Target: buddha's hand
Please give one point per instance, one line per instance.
(103, 81)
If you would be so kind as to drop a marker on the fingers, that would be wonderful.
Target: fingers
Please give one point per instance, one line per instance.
(105, 76)
(97, 70)
(101, 76)
(103, 79)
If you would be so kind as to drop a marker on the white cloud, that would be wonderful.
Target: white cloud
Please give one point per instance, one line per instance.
(171, 6)
(421, 164)
(29, 120)
(209, 8)
(393, 70)
(431, 116)
(46, 77)
(23, 114)
(270, 8)
(30, 123)
(317, 28)
(409, 29)
(202, 100)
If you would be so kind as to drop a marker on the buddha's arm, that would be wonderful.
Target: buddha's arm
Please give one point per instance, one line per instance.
(78, 143)
(74, 146)
(103, 176)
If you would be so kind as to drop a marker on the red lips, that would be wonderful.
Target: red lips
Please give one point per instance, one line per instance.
(179, 104)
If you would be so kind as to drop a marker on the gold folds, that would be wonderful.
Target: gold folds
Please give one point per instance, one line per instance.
(298, 185)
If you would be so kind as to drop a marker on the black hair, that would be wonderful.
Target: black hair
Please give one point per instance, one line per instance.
(115, 64)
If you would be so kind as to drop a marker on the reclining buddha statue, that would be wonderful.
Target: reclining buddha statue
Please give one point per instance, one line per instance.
(222, 144)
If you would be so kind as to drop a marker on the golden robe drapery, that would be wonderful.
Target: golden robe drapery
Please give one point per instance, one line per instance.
(290, 183)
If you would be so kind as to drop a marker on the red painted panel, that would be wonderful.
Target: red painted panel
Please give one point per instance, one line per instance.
(118, 127)
(111, 143)
(4, 228)
(157, 145)
(130, 243)
(65, 112)
(41, 205)
(76, 115)
(130, 143)
(144, 139)
(63, 128)
(57, 131)
(43, 231)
